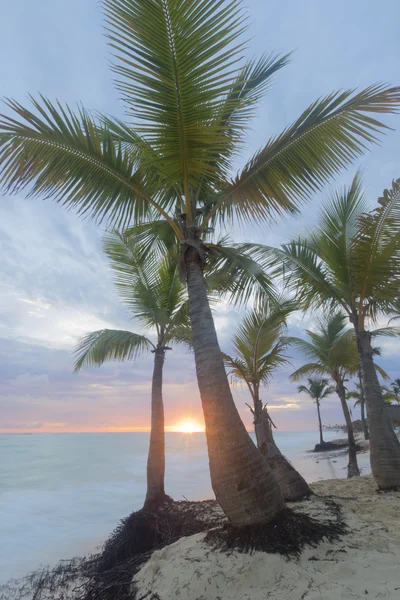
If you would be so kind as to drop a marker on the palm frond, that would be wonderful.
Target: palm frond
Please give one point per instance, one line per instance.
(386, 332)
(150, 287)
(376, 253)
(259, 344)
(306, 275)
(68, 157)
(109, 344)
(238, 107)
(307, 370)
(239, 271)
(329, 135)
(176, 61)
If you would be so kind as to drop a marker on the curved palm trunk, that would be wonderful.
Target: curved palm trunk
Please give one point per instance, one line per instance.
(321, 439)
(243, 483)
(362, 406)
(293, 485)
(352, 467)
(384, 444)
(156, 458)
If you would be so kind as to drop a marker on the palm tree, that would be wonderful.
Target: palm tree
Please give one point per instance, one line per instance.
(395, 385)
(259, 348)
(155, 297)
(317, 389)
(189, 96)
(388, 395)
(331, 351)
(352, 261)
(358, 395)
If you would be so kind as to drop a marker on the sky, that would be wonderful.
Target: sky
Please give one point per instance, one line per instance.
(55, 283)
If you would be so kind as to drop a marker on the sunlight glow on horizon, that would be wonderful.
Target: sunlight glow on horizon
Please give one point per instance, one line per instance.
(187, 426)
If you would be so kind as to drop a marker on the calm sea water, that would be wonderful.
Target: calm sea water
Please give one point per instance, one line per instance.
(62, 494)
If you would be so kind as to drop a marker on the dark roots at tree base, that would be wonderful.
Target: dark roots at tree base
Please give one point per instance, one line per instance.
(108, 575)
(287, 534)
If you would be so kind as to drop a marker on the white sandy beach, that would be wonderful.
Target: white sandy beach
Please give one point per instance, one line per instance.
(363, 564)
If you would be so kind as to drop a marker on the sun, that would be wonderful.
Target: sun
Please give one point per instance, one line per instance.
(189, 426)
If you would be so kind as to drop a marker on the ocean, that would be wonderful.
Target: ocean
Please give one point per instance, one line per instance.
(62, 494)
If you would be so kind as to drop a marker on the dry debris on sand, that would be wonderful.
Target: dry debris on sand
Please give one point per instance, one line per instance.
(364, 563)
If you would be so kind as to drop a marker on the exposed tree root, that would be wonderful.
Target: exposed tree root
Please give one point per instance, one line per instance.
(287, 534)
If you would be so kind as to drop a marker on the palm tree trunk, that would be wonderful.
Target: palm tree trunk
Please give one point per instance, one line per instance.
(362, 406)
(242, 482)
(156, 458)
(321, 439)
(352, 467)
(293, 485)
(384, 444)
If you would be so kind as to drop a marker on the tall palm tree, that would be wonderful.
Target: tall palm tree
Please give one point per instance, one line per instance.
(317, 389)
(157, 299)
(352, 261)
(331, 351)
(189, 96)
(259, 348)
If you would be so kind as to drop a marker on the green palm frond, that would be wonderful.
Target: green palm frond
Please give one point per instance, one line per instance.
(386, 332)
(150, 288)
(239, 271)
(238, 369)
(306, 275)
(259, 344)
(67, 157)
(329, 135)
(376, 252)
(176, 61)
(382, 372)
(307, 370)
(238, 107)
(109, 344)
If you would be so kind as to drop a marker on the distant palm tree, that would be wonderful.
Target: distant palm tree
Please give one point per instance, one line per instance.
(352, 261)
(189, 95)
(157, 299)
(395, 385)
(317, 389)
(358, 395)
(333, 352)
(259, 348)
(388, 395)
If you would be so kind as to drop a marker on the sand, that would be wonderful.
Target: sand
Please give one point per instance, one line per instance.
(365, 563)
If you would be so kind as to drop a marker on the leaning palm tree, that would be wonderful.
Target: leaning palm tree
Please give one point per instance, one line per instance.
(331, 351)
(189, 95)
(352, 261)
(317, 389)
(259, 348)
(156, 298)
